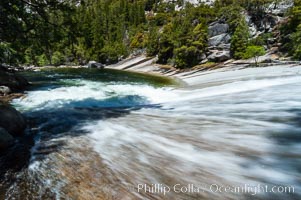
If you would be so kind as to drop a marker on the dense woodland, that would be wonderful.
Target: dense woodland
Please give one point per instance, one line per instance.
(54, 32)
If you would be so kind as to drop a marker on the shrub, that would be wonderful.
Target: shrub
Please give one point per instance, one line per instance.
(57, 58)
(297, 52)
(152, 42)
(185, 57)
(296, 43)
(6, 52)
(42, 60)
(254, 52)
(138, 41)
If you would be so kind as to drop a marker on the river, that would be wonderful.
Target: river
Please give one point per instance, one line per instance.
(106, 134)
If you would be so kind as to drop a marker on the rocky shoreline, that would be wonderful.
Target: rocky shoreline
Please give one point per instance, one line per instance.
(144, 64)
(147, 65)
(12, 122)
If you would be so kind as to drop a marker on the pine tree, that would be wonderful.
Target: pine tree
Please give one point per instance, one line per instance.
(239, 41)
(153, 41)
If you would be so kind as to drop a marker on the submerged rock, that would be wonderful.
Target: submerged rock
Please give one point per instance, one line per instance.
(12, 120)
(5, 139)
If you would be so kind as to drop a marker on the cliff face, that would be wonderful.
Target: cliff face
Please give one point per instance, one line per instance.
(277, 7)
(195, 2)
(259, 24)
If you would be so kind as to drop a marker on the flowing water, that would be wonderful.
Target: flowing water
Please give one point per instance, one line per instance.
(105, 134)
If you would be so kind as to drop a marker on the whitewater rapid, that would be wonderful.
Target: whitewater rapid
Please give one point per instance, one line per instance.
(230, 128)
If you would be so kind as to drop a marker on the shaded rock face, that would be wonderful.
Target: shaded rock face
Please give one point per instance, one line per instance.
(94, 64)
(12, 121)
(194, 2)
(269, 22)
(219, 39)
(4, 90)
(273, 15)
(263, 25)
(5, 139)
(280, 8)
(218, 42)
(217, 29)
(219, 56)
(12, 80)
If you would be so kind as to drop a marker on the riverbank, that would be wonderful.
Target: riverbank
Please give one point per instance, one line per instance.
(148, 65)
(191, 76)
(98, 134)
(12, 85)
(12, 122)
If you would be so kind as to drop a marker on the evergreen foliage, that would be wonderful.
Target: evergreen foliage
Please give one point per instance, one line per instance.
(254, 52)
(292, 32)
(55, 32)
(240, 39)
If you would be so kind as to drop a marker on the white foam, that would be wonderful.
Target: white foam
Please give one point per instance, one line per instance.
(237, 87)
(222, 129)
(84, 89)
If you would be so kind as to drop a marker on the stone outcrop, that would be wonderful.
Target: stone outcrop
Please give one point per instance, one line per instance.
(94, 64)
(280, 8)
(219, 56)
(11, 80)
(219, 35)
(264, 25)
(218, 42)
(5, 139)
(195, 2)
(4, 90)
(217, 29)
(12, 120)
(12, 123)
(221, 39)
